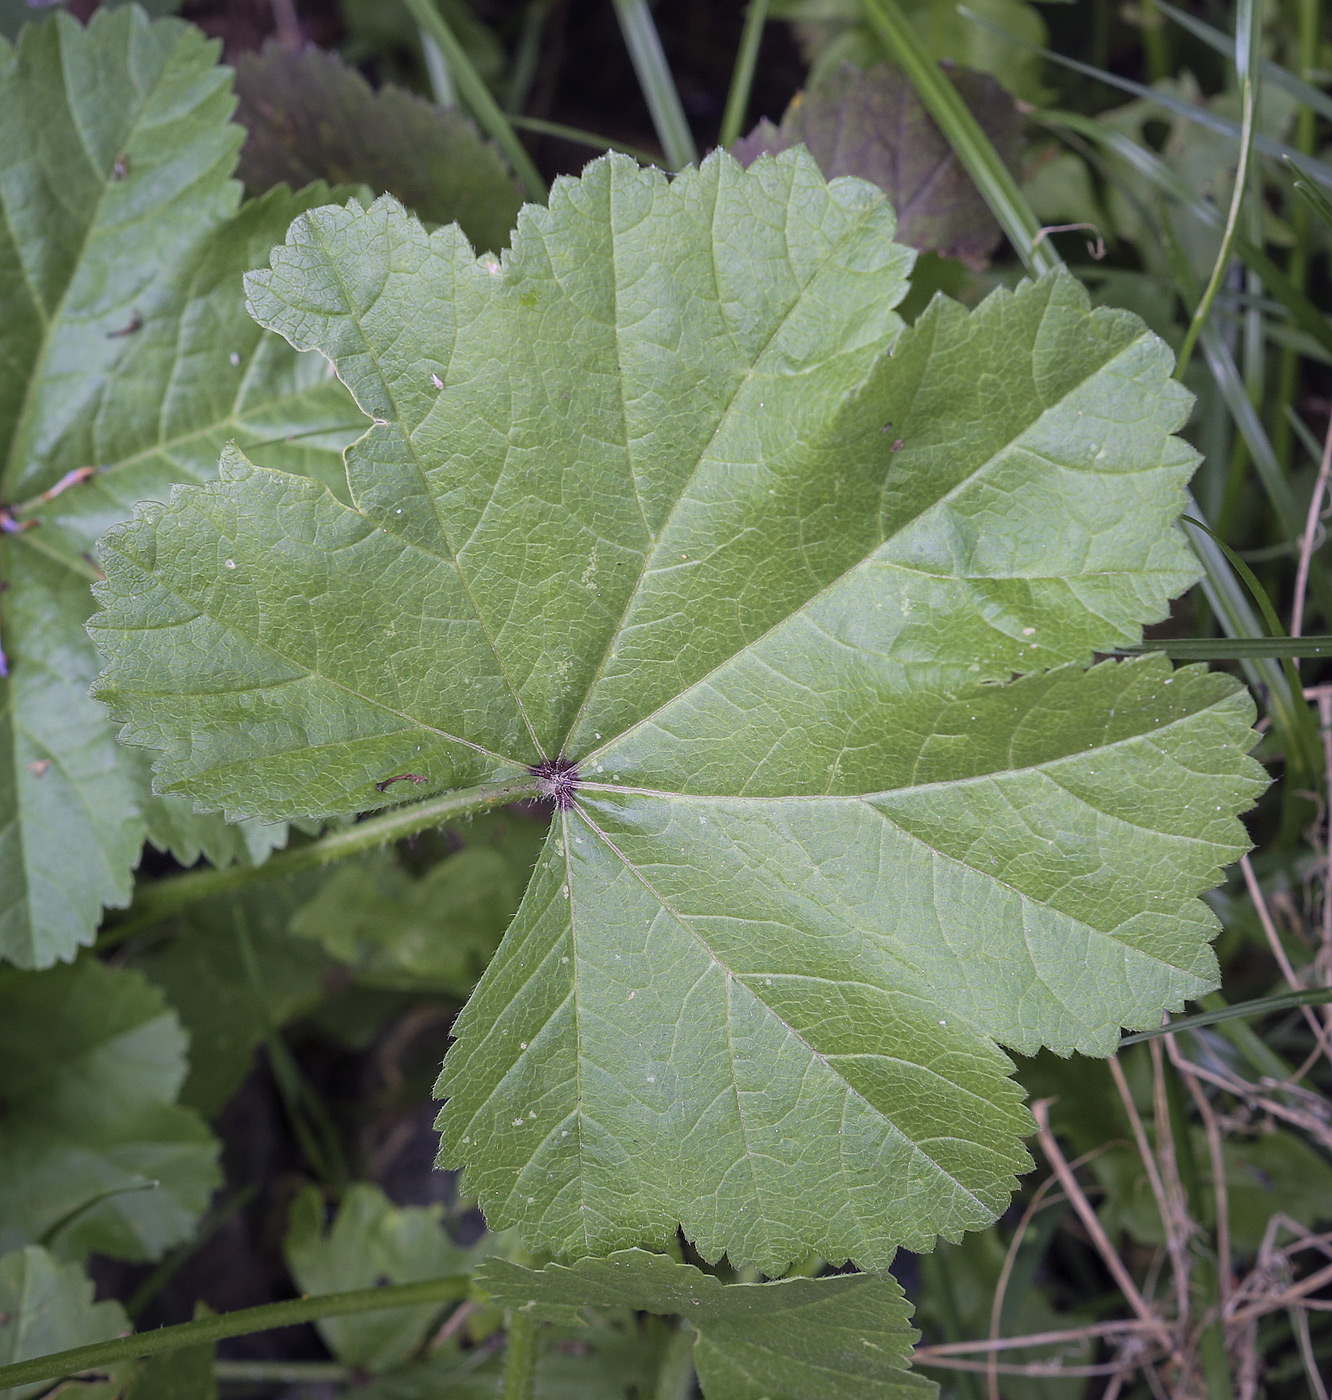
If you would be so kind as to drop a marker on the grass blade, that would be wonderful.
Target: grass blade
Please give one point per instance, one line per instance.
(1234, 648)
(1272, 73)
(587, 138)
(1223, 570)
(1317, 170)
(474, 92)
(1311, 194)
(1261, 1006)
(963, 132)
(742, 79)
(1146, 163)
(437, 70)
(654, 77)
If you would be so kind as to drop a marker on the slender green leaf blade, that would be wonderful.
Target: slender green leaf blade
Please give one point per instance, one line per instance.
(800, 1339)
(677, 501)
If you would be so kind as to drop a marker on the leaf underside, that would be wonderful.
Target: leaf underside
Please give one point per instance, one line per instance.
(126, 350)
(668, 492)
(800, 1339)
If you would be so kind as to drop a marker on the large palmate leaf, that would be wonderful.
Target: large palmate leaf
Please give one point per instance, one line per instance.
(800, 1339)
(95, 1153)
(128, 362)
(666, 508)
(48, 1306)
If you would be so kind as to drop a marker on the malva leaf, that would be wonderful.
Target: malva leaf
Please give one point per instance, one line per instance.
(666, 508)
(371, 1240)
(229, 998)
(176, 1375)
(1004, 43)
(95, 1152)
(129, 361)
(798, 1339)
(437, 931)
(873, 125)
(309, 117)
(47, 1306)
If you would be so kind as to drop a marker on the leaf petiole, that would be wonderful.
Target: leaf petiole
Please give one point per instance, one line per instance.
(163, 898)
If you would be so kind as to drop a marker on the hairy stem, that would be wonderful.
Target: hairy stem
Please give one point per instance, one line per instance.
(163, 898)
(520, 1358)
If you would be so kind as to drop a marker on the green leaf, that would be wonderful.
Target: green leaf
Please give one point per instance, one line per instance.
(438, 931)
(371, 1242)
(309, 117)
(873, 125)
(126, 350)
(1276, 1174)
(800, 1339)
(694, 514)
(173, 825)
(91, 1061)
(832, 31)
(14, 14)
(225, 1012)
(47, 1306)
(176, 1375)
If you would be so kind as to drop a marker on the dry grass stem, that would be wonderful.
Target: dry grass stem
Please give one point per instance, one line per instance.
(1279, 952)
(1216, 1157)
(1092, 1224)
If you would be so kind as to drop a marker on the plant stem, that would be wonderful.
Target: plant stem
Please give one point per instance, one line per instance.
(450, 1289)
(1248, 50)
(163, 898)
(973, 148)
(675, 1377)
(520, 1358)
(1154, 42)
(742, 79)
(474, 92)
(282, 1372)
